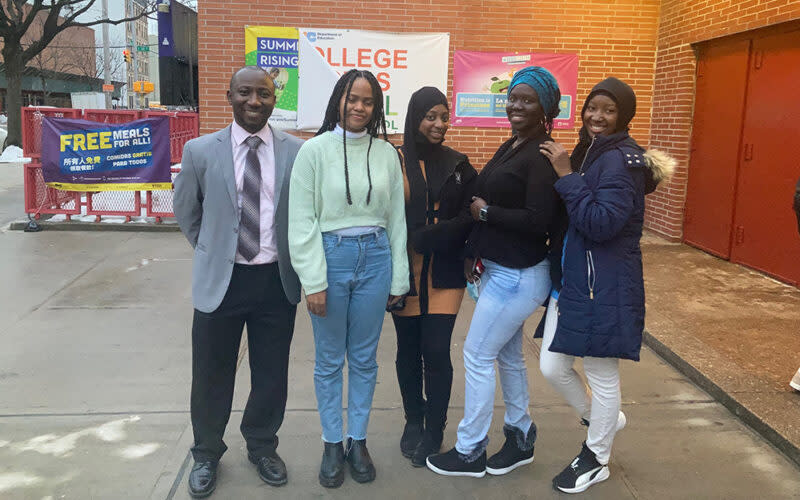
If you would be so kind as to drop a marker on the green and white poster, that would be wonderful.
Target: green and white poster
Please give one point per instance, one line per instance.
(275, 50)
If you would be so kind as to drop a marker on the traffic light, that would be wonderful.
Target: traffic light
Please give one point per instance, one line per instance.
(127, 54)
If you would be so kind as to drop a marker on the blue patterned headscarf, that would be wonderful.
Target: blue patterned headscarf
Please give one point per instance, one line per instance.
(545, 85)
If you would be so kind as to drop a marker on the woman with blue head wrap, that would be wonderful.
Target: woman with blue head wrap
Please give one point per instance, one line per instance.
(514, 210)
(544, 84)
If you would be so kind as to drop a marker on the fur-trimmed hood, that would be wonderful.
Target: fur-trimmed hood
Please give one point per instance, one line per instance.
(660, 167)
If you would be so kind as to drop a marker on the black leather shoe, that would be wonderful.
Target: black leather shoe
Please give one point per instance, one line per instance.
(202, 479)
(361, 467)
(271, 469)
(412, 436)
(331, 472)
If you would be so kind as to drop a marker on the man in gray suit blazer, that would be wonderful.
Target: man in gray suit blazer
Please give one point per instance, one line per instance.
(231, 200)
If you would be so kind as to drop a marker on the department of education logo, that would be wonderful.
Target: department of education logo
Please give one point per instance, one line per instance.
(312, 36)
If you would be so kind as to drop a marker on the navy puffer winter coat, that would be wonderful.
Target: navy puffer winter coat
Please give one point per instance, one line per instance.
(601, 303)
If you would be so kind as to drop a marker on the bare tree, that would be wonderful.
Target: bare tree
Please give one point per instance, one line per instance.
(77, 61)
(16, 19)
(116, 63)
(95, 69)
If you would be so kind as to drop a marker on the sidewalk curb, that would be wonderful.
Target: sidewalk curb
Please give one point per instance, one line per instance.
(789, 449)
(175, 467)
(164, 227)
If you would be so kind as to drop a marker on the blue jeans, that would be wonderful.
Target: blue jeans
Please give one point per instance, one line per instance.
(359, 278)
(507, 297)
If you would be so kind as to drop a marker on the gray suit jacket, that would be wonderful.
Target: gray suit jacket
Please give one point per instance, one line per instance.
(205, 205)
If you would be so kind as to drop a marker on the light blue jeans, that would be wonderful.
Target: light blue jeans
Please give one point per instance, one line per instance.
(359, 279)
(507, 297)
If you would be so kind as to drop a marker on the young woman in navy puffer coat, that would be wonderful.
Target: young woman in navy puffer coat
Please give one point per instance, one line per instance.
(598, 313)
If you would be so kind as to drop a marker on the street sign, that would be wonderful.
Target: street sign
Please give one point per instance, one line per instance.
(142, 48)
(108, 87)
(143, 87)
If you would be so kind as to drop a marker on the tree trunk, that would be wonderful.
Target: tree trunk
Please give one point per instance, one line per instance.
(14, 68)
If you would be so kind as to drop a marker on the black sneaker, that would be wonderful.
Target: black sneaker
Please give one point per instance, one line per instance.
(429, 445)
(581, 473)
(412, 436)
(454, 463)
(516, 451)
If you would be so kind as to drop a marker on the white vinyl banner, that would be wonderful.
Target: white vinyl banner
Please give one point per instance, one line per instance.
(402, 63)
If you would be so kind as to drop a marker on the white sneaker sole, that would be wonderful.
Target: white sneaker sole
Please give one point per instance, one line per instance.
(795, 385)
(506, 470)
(600, 477)
(443, 472)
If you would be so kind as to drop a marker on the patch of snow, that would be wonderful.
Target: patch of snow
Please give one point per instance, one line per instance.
(13, 480)
(139, 450)
(13, 154)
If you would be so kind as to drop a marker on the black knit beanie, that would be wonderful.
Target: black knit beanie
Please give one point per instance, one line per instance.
(622, 94)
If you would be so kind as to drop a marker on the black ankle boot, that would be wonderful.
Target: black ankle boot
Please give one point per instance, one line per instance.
(331, 472)
(361, 467)
(412, 436)
(431, 444)
(516, 451)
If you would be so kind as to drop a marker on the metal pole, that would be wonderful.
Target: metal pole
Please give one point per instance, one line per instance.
(136, 72)
(131, 43)
(190, 48)
(106, 54)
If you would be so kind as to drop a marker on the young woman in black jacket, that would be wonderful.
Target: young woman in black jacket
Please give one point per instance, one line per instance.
(438, 189)
(514, 210)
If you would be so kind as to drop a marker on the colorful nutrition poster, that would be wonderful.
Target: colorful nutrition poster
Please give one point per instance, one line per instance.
(81, 155)
(481, 79)
(275, 50)
(401, 62)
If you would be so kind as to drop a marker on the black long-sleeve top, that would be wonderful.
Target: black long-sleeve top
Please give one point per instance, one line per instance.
(517, 184)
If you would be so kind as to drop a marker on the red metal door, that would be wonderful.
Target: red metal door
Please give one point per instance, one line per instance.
(716, 133)
(765, 228)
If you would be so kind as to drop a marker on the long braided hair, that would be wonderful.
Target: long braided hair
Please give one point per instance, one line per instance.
(376, 124)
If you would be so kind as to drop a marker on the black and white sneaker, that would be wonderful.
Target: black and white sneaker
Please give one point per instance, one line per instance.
(516, 451)
(454, 463)
(581, 473)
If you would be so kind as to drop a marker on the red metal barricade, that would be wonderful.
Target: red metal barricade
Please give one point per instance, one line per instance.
(111, 115)
(120, 203)
(32, 127)
(182, 128)
(159, 203)
(39, 199)
(125, 203)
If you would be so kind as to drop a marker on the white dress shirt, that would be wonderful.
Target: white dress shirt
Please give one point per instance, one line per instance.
(266, 157)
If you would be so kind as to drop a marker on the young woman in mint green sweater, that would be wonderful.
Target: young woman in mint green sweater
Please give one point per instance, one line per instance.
(347, 240)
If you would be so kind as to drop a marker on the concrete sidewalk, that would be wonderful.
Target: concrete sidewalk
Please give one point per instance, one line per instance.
(94, 383)
(733, 331)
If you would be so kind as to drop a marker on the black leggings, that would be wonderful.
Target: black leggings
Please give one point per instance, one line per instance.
(425, 341)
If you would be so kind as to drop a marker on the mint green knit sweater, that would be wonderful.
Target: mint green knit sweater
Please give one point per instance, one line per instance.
(318, 203)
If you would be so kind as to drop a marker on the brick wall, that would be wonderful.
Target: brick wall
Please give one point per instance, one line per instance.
(646, 43)
(610, 37)
(682, 23)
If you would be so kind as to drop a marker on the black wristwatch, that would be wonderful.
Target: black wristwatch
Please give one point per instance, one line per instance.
(483, 214)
